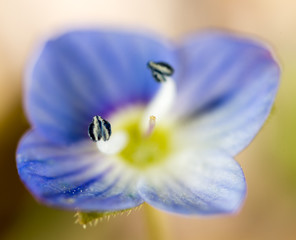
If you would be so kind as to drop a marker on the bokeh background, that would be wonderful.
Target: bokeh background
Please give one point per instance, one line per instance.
(269, 162)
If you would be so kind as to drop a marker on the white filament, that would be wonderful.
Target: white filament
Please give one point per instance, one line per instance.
(161, 104)
(115, 144)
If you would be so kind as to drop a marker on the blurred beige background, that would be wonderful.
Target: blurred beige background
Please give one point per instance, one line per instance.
(269, 162)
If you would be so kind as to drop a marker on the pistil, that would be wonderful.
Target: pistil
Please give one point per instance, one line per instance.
(152, 122)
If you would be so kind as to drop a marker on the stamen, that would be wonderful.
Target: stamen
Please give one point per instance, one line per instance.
(152, 122)
(160, 70)
(162, 102)
(99, 129)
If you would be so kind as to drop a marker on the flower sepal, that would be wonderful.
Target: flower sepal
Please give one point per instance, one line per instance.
(92, 218)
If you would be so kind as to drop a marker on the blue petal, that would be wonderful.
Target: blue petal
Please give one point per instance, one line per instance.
(74, 177)
(85, 73)
(228, 87)
(195, 183)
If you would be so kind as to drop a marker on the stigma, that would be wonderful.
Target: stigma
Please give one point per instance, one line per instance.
(99, 129)
(152, 122)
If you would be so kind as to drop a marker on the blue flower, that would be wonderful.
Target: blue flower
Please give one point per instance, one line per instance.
(172, 142)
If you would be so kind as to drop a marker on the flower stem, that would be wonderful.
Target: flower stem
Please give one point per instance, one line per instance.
(157, 226)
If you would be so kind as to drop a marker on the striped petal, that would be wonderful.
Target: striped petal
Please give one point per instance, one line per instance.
(81, 74)
(75, 177)
(196, 183)
(227, 89)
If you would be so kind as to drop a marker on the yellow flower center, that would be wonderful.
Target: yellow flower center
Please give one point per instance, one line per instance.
(142, 151)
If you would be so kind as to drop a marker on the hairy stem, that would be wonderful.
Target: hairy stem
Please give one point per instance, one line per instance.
(157, 225)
